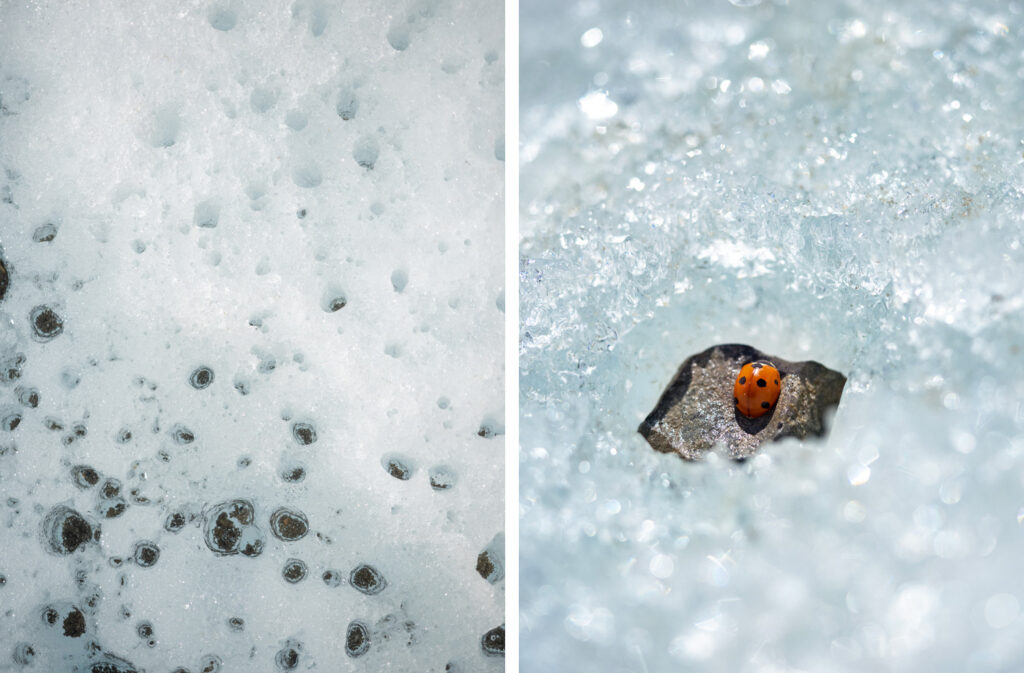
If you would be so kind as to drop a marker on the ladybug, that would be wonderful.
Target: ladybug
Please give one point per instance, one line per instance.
(757, 389)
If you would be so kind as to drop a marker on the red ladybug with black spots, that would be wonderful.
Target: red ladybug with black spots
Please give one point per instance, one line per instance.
(757, 389)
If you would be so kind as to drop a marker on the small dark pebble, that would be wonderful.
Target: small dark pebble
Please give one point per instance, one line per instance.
(442, 478)
(332, 578)
(288, 525)
(46, 324)
(294, 571)
(493, 642)
(45, 233)
(174, 522)
(304, 433)
(72, 624)
(182, 435)
(201, 378)
(287, 658)
(65, 530)
(357, 639)
(367, 579)
(293, 475)
(253, 546)
(484, 566)
(113, 507)
(50, 615)
(397, 466)
(124, 435)
(146, 554)
(226, 524)
(336, 304)
(24, 654)
(111, 488)
(210, 664)
(28, 397)
(10, 367)
(144, 629)
(11, 421)
(236, 624)
(486, 431)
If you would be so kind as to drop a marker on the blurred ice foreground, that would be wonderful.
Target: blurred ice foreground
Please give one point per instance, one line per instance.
(830, 181)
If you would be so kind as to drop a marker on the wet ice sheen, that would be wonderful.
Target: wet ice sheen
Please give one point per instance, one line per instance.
(213, 220)
(828, 181)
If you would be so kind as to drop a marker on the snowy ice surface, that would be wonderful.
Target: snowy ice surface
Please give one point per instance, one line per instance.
(838, 181)
(305, 198)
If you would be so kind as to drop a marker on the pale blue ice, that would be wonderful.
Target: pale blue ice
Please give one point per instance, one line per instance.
(838, 181)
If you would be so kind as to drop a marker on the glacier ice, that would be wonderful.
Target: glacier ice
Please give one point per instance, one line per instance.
(837, 181)
(203, 355)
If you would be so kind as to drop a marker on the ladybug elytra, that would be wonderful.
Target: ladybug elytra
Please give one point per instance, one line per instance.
(757, 389)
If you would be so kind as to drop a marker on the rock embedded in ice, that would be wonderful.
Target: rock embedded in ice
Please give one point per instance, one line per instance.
(288, 657)
(696, 411)
(304, 433)
(367, 580)
(145, 554)
(294, 571)
(45, 233)
(66, 531)
(357, 639)
(46, 323)
(442, 478)
(493, 642)
(398, 466)
(201, 378)
(230, 529)
(288, 525)
(84, 476)
(490, 563)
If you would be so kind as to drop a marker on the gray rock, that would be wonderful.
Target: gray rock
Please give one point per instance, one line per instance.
(696, 411)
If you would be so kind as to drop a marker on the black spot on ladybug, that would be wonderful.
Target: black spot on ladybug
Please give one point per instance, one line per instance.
(761, 383)
(765, 405)
(743, 379)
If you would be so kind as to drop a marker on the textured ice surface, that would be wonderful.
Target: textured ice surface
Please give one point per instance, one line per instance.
(831, 181)
(253, 250)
